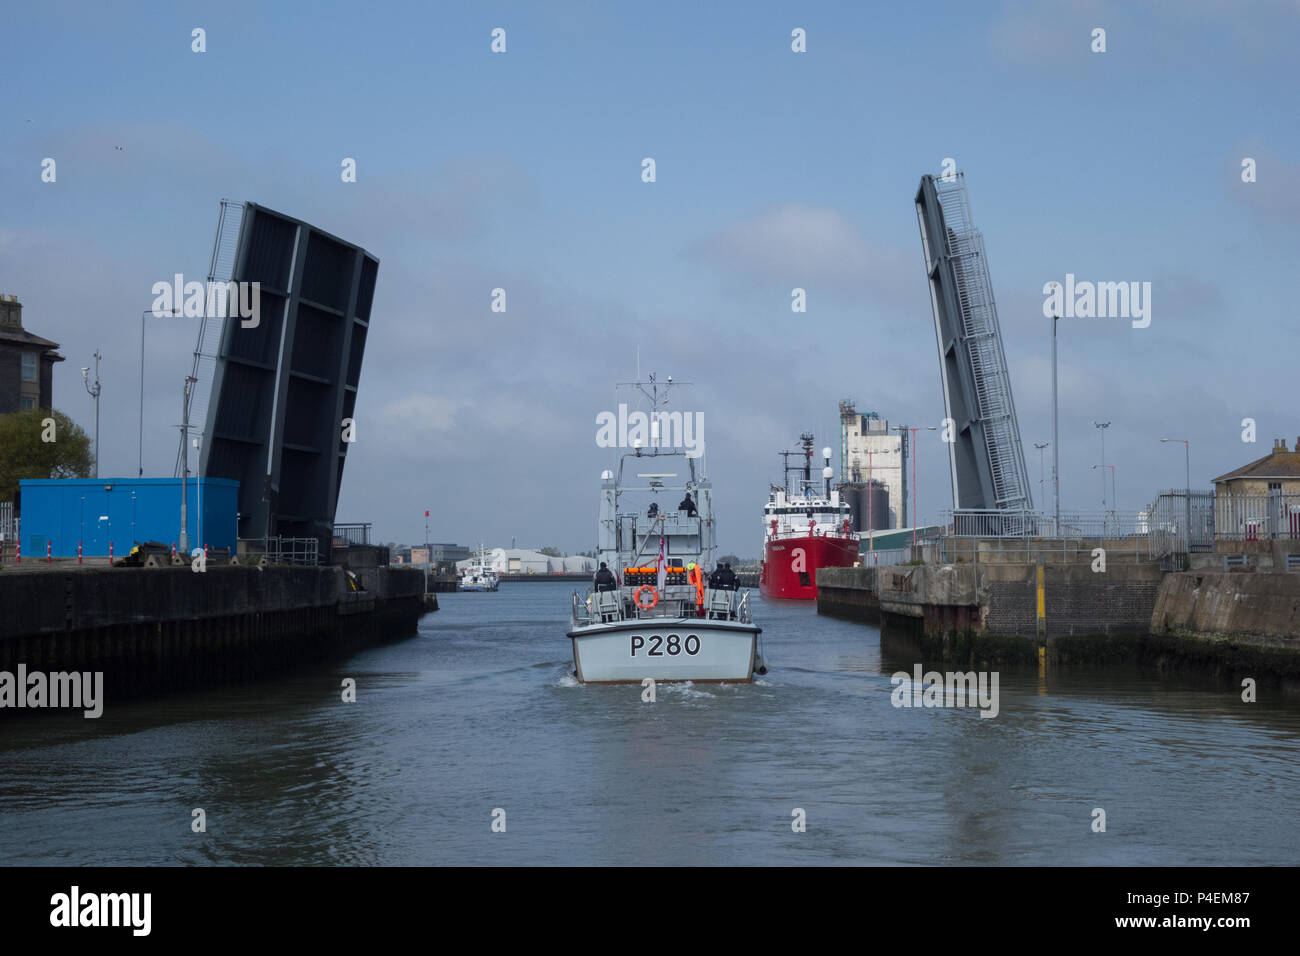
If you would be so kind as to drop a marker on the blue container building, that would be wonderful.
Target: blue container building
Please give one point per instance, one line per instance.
(95, 511)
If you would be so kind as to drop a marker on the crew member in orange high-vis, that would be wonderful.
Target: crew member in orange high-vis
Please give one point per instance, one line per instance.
(695, 575)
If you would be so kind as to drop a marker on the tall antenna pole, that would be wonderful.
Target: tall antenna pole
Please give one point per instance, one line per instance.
(1056, 441)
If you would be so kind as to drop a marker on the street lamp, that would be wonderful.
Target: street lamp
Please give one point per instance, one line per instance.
(1102, 426)
(1112, 482)
(94, 391)
(185, 464)
(1056, 438)
(914, 429)
(1040, 445)
(144, 315)
(871, 487)
(198, 490)
(1187, 492)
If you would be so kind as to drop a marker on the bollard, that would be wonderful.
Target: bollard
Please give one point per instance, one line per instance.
(78, 552)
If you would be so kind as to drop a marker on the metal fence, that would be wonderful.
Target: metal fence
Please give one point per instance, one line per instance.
(1028, 524)
(8, 523)
(302, 551)
(1180, 522)
(1257, 517)
(883, 558)
(346, 535)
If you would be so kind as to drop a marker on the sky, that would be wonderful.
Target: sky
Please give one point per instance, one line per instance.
(774, 170)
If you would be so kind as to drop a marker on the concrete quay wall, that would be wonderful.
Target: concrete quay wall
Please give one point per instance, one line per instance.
(1230, 625)
(161, 630)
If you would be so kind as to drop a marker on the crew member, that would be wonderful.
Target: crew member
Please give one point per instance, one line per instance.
(695, 575)
(605, 580)
(687, 505)
(727, 577)
(715, 578)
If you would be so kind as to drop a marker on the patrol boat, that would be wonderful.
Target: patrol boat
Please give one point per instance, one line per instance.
(661, 620)
(478, 575)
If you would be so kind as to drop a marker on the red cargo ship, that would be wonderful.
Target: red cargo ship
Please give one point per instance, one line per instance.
(804, 530)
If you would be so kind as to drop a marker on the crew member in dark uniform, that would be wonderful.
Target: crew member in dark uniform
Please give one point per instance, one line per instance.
(687, 505)
(605, 580)
(727, 577)
(715, 579)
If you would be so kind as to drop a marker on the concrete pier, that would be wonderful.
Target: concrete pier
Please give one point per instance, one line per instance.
(1231, 625)
(161, 630)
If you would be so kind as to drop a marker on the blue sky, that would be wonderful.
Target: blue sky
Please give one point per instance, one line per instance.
(774, 170)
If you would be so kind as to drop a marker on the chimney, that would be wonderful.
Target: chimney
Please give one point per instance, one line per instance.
(11, 312)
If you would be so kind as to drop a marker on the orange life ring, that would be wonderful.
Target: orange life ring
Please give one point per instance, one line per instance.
(636, 597)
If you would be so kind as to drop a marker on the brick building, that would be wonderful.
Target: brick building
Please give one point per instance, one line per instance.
(26, 362)
(1261, 500)
(1276, 473)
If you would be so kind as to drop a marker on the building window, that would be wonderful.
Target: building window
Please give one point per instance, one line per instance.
(1275, 486)
(28, 403)
(29, 366)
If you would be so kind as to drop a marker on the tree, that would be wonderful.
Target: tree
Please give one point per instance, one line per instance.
(40, 443)
(551, 552)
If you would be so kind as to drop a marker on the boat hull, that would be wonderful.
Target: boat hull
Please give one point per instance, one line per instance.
(790, 564)
(665, 649)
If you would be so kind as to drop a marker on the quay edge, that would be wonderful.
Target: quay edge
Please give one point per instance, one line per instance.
(1227, 625)
(163, 630)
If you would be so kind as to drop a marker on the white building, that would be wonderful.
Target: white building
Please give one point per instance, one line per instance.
(871, 450)
(524, 561)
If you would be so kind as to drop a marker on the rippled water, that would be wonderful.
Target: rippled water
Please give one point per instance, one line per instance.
(480, 712)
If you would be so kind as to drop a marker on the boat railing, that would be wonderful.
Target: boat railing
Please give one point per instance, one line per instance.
(604, 607)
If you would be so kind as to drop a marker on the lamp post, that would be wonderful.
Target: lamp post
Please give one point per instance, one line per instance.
(94, 391)
(1040, 445)
(1187, 492)
(185, 463)
(1056, 438)
(198, 492)
(914, 429)
(1102, 426)
(144, 315)
(1112, 483)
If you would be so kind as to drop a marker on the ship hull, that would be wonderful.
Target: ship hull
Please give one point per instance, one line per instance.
(665, 649)
(790, 564)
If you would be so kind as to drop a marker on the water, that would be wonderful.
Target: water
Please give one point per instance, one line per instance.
(479, 712)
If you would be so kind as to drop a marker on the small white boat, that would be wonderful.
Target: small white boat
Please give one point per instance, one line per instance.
(658, 619)
(479, 575)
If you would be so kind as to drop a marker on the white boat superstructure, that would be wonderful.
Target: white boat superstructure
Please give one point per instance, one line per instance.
(810, 507)
(479, 575)
(658, 618)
